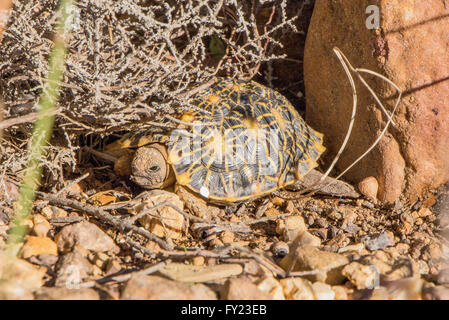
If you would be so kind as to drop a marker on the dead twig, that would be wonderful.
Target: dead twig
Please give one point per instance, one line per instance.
(261, 220)
(77, 180)
(104, 216)
(31, 117)
(126, 276)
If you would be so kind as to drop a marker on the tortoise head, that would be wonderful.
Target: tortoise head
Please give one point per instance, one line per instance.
(150, 168)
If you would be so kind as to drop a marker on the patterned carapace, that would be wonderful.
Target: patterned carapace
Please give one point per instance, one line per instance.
(243, 140)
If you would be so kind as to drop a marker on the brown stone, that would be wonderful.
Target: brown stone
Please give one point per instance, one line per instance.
(191, 273)
(369, 188)
(165, 221)
(271, 286)
(38, 245)
(341, 292)
(243, 289)
(9, 290)
(142, 287)
(20, 274)
(323, 291)
(277, 201)
(443, 276)
(410, 48)
(436, 293)
(55, 293)
(290, 227)
(328, 264)
(72, 269)
(86, 235)
(361, 276)
(297, 289)
(41, 225)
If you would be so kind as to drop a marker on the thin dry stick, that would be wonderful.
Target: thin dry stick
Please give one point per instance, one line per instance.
(77, 180)
(279, 216)
(386, 126)
(127, 276)
(255, 70)
(149, 211)
(390, 120)
(225, 255)
(262, 260)
(102, 155)
(31, 117)
(103, 216)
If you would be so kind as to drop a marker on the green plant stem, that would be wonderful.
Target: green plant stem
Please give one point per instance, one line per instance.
(42, 130)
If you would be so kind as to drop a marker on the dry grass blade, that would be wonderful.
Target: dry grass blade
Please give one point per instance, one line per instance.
(348, 68)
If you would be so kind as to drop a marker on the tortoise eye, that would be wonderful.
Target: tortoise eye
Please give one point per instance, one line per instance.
(154, 168)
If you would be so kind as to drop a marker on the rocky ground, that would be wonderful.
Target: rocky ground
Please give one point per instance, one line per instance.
(99, 240)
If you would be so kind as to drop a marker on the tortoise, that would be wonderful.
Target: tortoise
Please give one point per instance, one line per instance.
(239, 141)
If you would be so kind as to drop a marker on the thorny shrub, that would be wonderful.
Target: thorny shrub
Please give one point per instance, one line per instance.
(130, 64)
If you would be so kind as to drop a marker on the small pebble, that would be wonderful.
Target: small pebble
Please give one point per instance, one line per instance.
(443, 276)
(403, 248)
(280, 249)
(340, 292)
(41, 225)
(112, 266)
(277, 201)
(198, 261)
(227, 237)
(310, 220)
(424, 212)
(436, 293)
(271, 286)
(368, 205)
(361, 276)
(321, 222)
(38, 245)
(290, 207)
(369, 188)
(215, 243)
(211, 261)
(270, 212)
(379, 241)
(323, 291)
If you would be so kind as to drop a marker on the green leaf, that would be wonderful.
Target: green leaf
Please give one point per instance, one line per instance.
(217, 47)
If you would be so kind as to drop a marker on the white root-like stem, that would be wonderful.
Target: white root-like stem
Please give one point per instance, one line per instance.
(347, 68)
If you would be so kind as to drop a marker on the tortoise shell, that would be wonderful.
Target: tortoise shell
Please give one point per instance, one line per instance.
(241, 140)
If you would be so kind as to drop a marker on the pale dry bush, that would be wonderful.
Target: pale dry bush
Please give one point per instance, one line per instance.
(130, 64)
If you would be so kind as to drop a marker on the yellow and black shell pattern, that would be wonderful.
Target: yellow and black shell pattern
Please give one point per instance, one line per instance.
(243, 140)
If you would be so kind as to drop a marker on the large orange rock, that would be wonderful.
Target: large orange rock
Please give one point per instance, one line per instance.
(410, 47)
